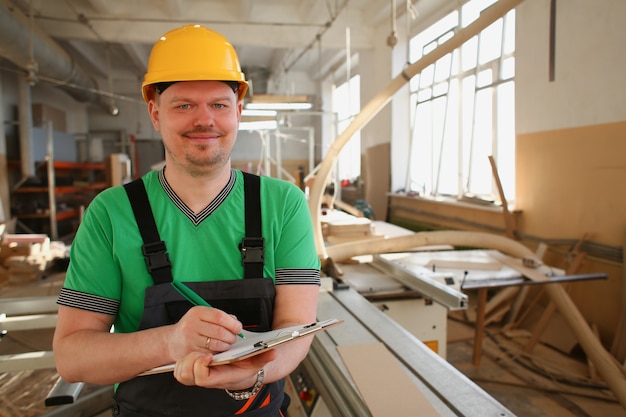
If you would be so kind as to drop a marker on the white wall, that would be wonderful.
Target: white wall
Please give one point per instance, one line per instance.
(590, 65)
(375, 71)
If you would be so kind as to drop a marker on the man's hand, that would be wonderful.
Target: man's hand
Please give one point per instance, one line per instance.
(194, 369)
(202, 330)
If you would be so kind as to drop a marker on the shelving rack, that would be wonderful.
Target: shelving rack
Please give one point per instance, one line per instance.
(73, 182)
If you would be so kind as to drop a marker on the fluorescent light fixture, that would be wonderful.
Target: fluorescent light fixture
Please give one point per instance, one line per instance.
(279, 106)
(258, 113)
(276, 102)
(259, 125)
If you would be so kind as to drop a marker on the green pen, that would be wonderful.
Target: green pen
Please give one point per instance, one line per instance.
(192, 297)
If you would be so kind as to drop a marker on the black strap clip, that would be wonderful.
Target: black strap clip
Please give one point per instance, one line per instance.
(252, 250)
(156, 256)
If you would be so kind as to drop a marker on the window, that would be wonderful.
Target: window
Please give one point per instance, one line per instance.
(462, 109)
(347, 104)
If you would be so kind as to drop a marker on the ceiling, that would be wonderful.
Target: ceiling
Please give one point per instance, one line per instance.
(110, 40)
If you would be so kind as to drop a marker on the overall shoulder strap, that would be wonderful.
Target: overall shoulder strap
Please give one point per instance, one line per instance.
(154, 249)
(252, 245)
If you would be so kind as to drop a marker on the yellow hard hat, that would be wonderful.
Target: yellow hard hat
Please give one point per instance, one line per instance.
(192, 53)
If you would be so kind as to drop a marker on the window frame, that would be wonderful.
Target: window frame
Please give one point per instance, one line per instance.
(443, 150)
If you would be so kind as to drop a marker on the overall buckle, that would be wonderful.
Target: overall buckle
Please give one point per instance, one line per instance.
(252, 250)
(156, 256)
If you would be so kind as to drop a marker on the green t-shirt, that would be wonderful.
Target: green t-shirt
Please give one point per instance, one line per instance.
(107, 271)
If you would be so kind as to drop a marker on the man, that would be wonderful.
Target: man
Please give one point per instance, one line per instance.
(121, 267)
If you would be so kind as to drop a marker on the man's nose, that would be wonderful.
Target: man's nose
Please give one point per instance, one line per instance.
(204, 116)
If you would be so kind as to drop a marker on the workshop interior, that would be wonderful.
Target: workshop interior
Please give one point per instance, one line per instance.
(463, 163)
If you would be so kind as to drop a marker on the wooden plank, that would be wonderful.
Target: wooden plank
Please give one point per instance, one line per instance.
(509, 220)
(511, 317)
(372, 366)
(551, 308)
(480, 326)
(516, 264)
(501, 297)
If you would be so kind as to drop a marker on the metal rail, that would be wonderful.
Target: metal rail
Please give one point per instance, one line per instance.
(424, 284)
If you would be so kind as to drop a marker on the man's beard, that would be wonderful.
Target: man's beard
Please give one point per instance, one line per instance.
(201, 161)
(197, 162)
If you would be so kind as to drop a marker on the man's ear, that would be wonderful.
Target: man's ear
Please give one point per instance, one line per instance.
(239, 110)
(153, 111)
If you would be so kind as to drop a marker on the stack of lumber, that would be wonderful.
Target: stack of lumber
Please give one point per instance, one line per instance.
(24, 258)
(339, 227)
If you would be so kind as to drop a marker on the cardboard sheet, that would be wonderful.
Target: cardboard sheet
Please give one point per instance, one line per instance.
(383, 384)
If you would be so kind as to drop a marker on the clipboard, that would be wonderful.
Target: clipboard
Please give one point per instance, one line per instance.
(255, 343)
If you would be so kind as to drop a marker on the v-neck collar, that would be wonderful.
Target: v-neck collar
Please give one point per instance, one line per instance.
(196, 219)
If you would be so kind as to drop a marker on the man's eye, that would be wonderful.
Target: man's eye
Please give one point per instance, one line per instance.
(219, 105)
(184, 106)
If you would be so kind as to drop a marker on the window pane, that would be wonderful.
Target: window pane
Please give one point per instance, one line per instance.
(460, 119)
(509, 33)
(426, 76)
(347, 104)
(485, 78)
(417, 43)
(469, 55)
(471, 10)
(480, 178)
(443, 67)
(490, 43)
(508, 68)
(422, 152)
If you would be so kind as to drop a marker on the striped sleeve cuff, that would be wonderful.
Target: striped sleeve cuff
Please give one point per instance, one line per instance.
(298, 276)
(89, 302)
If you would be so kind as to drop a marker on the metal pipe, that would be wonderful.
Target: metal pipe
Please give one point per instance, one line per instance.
(91, 404)
(31, 49)
(52, 202)
(25, 128)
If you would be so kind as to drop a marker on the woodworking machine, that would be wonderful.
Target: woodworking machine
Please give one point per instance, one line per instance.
(322, 386)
